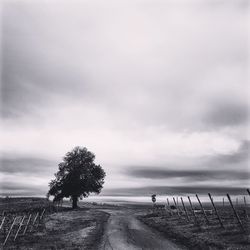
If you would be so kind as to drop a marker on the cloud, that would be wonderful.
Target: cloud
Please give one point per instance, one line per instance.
(241, 156)
(227, 114)
(176, 190)
(126, 61)
(190, 175)
(28, 165)
(25, 175)
(139, 83)
(217, 170)
(24, 186)
(220, 165)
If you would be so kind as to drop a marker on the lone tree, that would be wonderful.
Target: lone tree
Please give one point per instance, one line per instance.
(78, 176)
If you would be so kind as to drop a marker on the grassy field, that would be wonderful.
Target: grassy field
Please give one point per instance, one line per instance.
(64, 228)
(80, 229)
(198, 234)
(60, 228)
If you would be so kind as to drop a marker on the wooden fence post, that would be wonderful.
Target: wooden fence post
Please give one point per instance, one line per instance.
(185, 210)
(35, 218)
(235, 212)
(192, 210)
(27, 224)
(34, 221)
(245, 203)
(19, 228)
(202, 209)
(176, 208)
(248, 191)
(12, 225)
(41, 216)
(3, 220)
(170, 212)
(215, 209)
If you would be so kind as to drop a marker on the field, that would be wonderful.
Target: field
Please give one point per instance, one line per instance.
(197, 233)
(58, 228)
(130, 226)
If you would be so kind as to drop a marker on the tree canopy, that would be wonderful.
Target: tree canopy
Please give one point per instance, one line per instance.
(78, 176)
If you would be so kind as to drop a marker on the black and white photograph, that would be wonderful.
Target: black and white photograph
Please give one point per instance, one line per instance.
(124, 124)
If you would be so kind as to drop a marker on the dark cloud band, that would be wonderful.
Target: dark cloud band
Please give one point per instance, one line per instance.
(31, 165)
(175, 190)
(191, 175)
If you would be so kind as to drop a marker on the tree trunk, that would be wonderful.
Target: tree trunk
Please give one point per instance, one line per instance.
(74, 202)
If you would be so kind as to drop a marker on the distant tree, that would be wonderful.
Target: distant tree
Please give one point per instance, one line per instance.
(78, 176)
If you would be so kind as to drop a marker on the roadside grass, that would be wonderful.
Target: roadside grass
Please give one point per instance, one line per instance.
(200, 235)
(67, 229)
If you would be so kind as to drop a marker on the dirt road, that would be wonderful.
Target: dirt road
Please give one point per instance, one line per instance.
(125, 232)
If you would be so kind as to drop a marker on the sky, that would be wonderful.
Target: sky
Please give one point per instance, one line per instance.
(158, 90)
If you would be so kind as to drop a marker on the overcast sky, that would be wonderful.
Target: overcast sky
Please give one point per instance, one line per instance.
(157, 89)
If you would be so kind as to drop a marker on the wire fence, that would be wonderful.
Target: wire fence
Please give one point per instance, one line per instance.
(18, 219)
(193, 210)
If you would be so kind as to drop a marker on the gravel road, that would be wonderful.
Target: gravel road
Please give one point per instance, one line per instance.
(125, 232)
